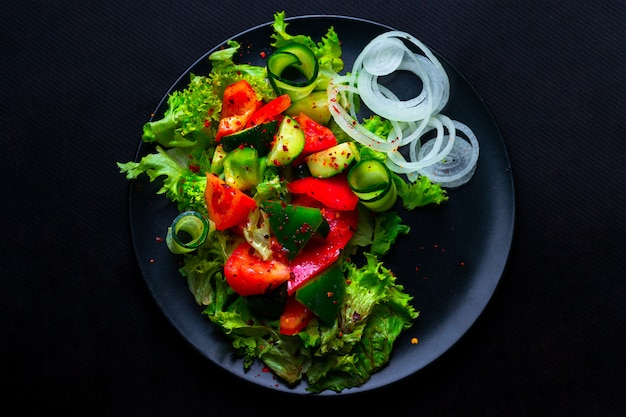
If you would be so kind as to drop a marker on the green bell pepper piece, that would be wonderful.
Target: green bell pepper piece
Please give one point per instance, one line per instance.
(323, 294)
(294, 225)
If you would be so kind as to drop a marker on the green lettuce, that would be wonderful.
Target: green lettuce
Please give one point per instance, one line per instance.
(181, 184)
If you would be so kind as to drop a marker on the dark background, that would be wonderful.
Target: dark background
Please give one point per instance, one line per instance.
(81, 334)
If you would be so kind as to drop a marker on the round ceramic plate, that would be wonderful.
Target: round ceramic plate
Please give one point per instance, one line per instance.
(451, 262)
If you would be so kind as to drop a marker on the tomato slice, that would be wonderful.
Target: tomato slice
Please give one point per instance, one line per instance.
(334, 192)
(226, 205)
(248, 274)
(317, 137)
(319, 254)
(238, 105)
(270, 111)
(295, 317)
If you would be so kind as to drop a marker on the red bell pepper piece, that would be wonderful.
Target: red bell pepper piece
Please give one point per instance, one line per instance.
(334, 192)
(294, 318)
(270, 111)
(227, 206)
(319, 254)
(238, 105)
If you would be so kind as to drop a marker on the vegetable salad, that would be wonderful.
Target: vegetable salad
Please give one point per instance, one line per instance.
(286, 213)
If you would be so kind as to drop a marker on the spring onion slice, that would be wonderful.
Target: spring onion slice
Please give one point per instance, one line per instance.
(414, 120)
(187, 232)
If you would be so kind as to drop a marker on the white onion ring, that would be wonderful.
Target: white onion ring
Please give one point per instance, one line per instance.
(411, 119)
(384, 57)
(459, 164)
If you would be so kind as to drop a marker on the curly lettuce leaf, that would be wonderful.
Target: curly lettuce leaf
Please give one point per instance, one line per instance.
(388, 226)
(420, 193)
(192, 113)
(225, 71)
(188, 116)
(181, 185)
(376, 309)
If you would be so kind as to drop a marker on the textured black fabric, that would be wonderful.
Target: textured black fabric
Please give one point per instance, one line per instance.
(80, 333)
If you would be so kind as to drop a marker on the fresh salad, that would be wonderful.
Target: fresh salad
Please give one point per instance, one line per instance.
(286, 178)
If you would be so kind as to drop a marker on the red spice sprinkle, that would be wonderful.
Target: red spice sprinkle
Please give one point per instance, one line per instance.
(158, 239)
(329, 294)
(266, 369)
(263, 54)
(151, 261)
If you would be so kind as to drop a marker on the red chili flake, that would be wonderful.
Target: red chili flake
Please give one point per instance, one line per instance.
(263, 54)
(266, 369)
(417, 268)
(329, 294)
(158, 239)
(194, 168)
(151, 261)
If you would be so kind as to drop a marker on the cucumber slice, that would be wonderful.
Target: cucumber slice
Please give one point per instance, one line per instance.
(288, 143)
(258, 137)
(332, 161)
(289, 60)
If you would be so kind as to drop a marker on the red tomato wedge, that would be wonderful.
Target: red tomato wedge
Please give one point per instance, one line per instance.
(317, 137)
(249, 274)
(270, 111)
(334, 192)
(238, 105)
(226, 205)
(319, 254)
(295, 317)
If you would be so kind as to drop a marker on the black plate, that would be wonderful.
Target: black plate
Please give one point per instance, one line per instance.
(451, 262)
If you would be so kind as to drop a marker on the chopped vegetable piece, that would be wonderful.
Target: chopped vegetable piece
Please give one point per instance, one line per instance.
(288, 143)
(294, 225)
(295, 317)
(315, 106)
(239, 104)
(271, 111)
(319, 254)
(324, 293)
(243, 169)
(248, 274)
(259, 137)
(317, 137)
(333, 192)
(333, 160)
(227, 206)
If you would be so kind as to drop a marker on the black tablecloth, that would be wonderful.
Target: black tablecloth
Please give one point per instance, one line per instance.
(81, 333)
